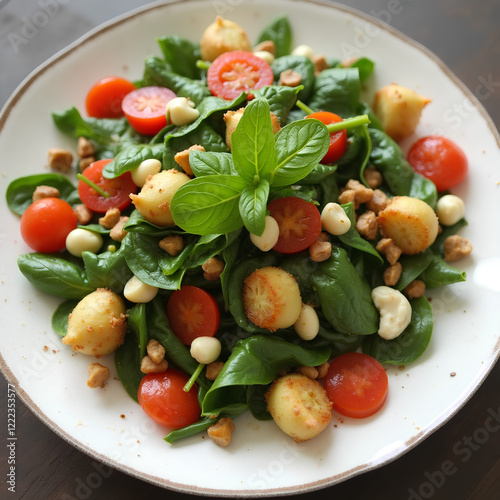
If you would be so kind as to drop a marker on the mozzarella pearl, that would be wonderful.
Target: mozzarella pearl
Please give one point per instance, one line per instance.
(450, 209)
(334, 219)
(264, 55)
(181, 111)
(205, 349)
(82, 240)
(269, 237)
(307, 326)
(138, 292)
(303, 50)
(144, 170)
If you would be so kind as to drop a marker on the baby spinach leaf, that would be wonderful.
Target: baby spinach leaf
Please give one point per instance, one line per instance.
(131, 157)
(138, 224)
(20, 191)
(281, 100)
(60, 316)
(300, 146)
(440, 273)
(300, 64)
(253, 205)
(337, 90)
(127, 363)
(256, 401)
(365, 67)
(210, 163)
(54, 275)
(138, 324)
(209, 204)
(411, 344)
(181, 55)
(253, 143)
(413, 267)
(300, 266)
(318, 174)
(345, 296)
(278, 31)
(423, 189)
(340, 343)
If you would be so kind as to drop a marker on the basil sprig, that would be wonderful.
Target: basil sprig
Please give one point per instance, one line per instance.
(222, 200)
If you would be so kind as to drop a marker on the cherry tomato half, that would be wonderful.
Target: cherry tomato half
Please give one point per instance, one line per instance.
(46, 223)
(119, 188)
(145, 108)
(163, 398)
(356, 384)
(235, 72)
(440, 160)
(192, 312)
(104, 99)
(299, 223)
(338, 140)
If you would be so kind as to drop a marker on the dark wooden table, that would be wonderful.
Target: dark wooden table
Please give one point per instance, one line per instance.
(460, 460)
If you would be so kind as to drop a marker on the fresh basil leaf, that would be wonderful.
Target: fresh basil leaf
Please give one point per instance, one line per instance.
(208, 204)
(253, 143)
(131, 157)
(300, 64)
(20, 191)
(281, 99)
(210, 163)
(181, 55)
(253, 205)
(300, 146)
(60, 317)
(278, 31)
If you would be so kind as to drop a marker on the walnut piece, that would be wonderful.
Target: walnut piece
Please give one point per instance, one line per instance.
(42, 192)
(221, 432)
(97, 375)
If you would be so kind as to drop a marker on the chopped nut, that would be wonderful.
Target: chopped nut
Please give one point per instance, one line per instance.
(221, 432)
(156, 351)
(149, 366)
(415, 289)
(117, 233)
(97, 375)
(111, 218)
(320, 251)
(378, 202)
(267, 46)
(85, 162)
(456, 247)
(213, 369)
(362, 194)
(392, 274)
(367, 225)
(172, 244)
(347, 196)
(391, 251)
(60, 159)
(84, 148)
(182, 158)
(212, 268)
(323, 369)
(83, 214)
(45, 192)
(290, 78)
(373, 177)
(320, 63)
(308, 371)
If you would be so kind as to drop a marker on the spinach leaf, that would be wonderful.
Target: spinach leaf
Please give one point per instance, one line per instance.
(281, 99)
(138, 224)
(300, 64)
(318, 174)
(413, 267)
(138, 324)
(209, 163)
(60, 316)
(20, 191)
(423, 189)
(127, 363)
(256, 361)
(300, 146)
(411, 344)
(181, 55)
(337, 90)
(253, 206)
(256, 401)
(191, 430)
(54, 275)
(209, 204)
(345, 296)
(131, 157)
(340, 343)
(440, 273)
(278, 31)
(365, 67)
(230, 255)
(300, 266)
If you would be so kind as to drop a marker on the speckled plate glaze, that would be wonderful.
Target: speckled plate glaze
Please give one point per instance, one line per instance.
(261, 461)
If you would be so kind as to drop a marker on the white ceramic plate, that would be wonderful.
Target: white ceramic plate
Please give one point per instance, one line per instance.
(261, 460)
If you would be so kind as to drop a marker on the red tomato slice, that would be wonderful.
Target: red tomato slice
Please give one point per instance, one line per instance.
(163, 398)
(356, 384)
(119, 188)
(299, 223)
(192, 313)
(104, 99)
(235, 72)
(338, 140)
(145, 109)
(46, 223)
(440, 160)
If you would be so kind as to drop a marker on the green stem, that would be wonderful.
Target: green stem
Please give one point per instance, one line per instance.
(193, 377)
(304, 107)
(200, 64)
(93, 186)
(348, 123)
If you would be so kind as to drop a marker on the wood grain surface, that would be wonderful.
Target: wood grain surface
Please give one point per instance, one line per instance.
(461, 460)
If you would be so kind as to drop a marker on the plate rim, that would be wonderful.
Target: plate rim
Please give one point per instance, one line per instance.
(379, 461)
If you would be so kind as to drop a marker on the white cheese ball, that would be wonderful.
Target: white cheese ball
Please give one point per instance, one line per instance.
(82, 240)
(334, 219)
(97, 324)
(138, 292)
(307, 326)
(303, 50)
(264, 55)
(394, 309)
(450, 209)
(146, 168)
(181, 110)
(153, 201)
(205, 349)
(269, 237)
(299, 406)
